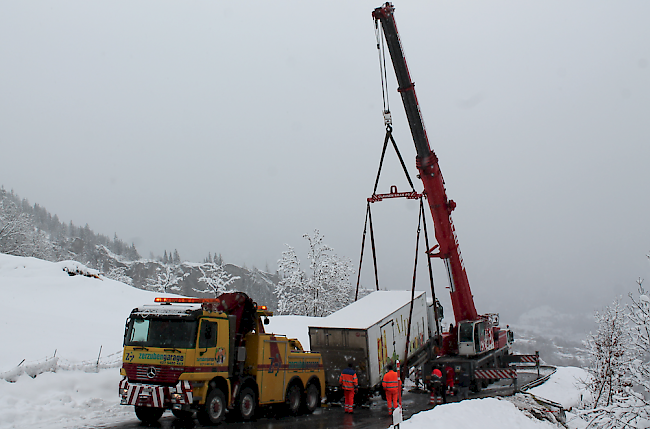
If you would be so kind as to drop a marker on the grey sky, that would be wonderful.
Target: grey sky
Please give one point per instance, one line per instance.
(237, 127)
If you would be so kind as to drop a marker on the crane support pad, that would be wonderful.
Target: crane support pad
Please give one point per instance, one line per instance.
(496, 373)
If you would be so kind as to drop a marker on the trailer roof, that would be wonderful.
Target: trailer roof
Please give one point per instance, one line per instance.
(369, 310)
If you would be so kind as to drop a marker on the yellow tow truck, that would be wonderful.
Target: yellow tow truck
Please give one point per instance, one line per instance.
(212, 356)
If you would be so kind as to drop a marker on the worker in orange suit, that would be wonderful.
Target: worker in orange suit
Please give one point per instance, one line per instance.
(436, 388)
(350, 384)
(451, 375)
(392, 386)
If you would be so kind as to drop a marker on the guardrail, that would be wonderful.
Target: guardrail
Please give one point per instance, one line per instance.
(540, 380)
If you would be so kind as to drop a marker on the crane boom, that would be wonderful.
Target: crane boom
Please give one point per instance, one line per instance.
(434, 185)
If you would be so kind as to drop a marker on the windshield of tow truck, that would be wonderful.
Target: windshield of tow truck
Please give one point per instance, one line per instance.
(154, 332)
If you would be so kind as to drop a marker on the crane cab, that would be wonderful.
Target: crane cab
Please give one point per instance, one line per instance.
(474, 337)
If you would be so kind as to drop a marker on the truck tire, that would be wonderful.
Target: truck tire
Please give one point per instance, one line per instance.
(246, 404)
(294, 399)
(214, 410)
(149, 414)
(312, 399)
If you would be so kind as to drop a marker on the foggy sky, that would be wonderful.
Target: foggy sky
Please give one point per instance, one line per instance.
(237, 127)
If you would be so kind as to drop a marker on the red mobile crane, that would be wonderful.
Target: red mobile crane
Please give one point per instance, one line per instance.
(434, 185)
(477, 342)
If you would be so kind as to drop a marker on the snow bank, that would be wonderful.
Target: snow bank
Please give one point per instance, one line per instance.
(62, 400)
(46, 313)
(488, 413)
(565, 386)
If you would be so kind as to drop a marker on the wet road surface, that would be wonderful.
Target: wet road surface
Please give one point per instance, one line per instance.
(374, 416)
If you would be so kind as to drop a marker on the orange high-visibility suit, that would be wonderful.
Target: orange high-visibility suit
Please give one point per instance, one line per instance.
(349, 383)
(436, 388)
(392, 386)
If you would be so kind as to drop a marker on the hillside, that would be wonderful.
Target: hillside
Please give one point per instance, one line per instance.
(30, 230)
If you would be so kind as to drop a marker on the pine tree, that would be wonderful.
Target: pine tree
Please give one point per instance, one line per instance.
(15, 228)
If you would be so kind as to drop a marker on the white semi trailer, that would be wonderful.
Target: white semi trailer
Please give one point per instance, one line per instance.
(370, 333)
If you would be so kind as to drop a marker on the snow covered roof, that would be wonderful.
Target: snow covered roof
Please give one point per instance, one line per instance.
(369, 310)
(171, 310)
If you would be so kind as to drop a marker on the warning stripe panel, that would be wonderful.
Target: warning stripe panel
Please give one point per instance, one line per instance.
(133, 393)
(185, 388)
(155, 396)
(158, 396)
(529, 358)
(495, 373)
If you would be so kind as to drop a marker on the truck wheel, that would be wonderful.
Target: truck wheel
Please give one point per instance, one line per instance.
(312, 399)
(294, 399)
(149, 414)
(214, 409)
(247, 403)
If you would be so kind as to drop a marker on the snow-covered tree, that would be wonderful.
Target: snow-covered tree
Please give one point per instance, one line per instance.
(610, 356)
(621, 366)
(14, 226)
(216, 279)
(639, 315)
(324, 291)
(167, 279)
(290, 289)
(119, 274)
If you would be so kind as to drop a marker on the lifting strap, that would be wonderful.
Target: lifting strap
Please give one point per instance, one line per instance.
(389, 136)
(394, 194)
(363, 244)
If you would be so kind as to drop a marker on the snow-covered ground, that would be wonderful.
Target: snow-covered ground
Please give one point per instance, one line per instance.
(55, 322)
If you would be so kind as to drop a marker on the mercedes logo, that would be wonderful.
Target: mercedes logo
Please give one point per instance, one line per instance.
(151, 372)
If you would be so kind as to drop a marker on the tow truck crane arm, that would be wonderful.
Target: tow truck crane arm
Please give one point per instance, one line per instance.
(427, 164)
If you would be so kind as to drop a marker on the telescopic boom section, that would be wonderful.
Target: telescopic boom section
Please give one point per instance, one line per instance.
(434, 185)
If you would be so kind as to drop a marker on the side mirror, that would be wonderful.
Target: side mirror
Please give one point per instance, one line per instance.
(267, 321)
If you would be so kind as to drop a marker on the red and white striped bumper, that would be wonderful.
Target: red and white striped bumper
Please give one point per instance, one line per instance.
(496, 373)
(150, 395)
